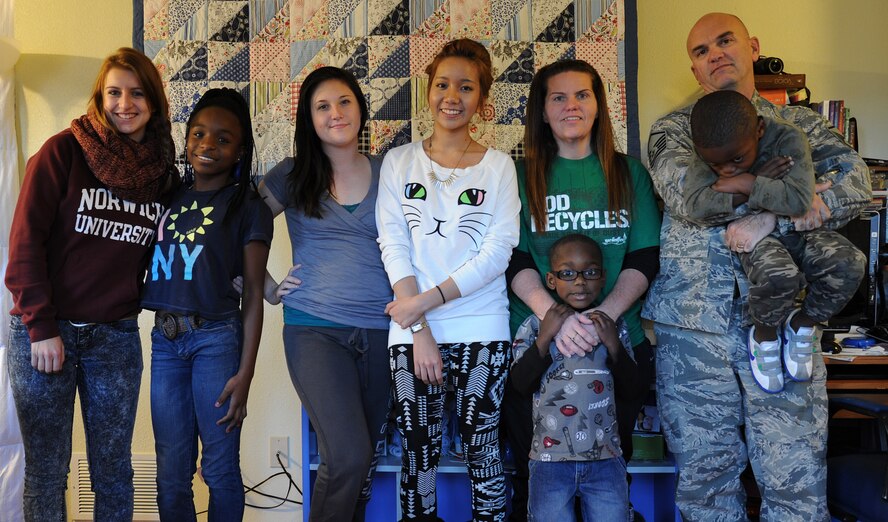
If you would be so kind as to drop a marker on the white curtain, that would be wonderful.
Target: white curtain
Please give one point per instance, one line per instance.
(12, 457)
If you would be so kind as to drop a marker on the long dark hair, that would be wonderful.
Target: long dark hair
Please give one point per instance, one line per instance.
(312, 174)
(540, 147)
(233, 102)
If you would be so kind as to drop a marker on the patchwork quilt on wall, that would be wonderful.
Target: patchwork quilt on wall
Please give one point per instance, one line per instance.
(265, 48)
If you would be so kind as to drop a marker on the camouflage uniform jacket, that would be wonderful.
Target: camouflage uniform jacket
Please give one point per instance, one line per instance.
(698, 273)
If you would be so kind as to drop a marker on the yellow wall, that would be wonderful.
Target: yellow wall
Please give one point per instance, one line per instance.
(839, 45)
(62, 49)
(842, 47)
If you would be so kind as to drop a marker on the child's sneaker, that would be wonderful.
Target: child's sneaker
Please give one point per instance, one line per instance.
(798, 350)
(764, 359)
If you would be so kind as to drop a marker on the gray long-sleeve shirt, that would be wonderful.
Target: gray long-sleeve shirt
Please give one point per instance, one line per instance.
(788, 195)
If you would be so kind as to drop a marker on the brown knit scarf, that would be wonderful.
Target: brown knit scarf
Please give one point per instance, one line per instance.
(136, 172)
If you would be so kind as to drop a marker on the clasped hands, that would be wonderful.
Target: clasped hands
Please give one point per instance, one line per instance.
(407, 311)
(578, 335)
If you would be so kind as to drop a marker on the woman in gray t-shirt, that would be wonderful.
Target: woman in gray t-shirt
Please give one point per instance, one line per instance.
(335, 326)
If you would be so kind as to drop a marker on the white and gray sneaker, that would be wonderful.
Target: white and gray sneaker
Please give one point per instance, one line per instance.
(799, 349)
(764, 359)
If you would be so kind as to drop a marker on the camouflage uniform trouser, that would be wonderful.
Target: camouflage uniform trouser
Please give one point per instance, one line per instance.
(708, 399)
(779, 267)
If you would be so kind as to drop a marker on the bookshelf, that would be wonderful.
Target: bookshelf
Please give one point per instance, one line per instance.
(652, 492)
(791, 89)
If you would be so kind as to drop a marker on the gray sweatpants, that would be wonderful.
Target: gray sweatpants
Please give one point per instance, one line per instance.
(343, 380)
(708, 399)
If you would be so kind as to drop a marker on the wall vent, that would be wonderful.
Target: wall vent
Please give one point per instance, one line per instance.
(145, 499)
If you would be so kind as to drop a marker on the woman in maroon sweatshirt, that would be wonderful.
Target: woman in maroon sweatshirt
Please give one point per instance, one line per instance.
(83, 225)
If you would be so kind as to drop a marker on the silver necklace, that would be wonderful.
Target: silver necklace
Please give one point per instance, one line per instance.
(434, 179)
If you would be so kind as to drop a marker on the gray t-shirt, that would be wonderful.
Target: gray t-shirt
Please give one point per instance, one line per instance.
(343, 279)
(574, 415)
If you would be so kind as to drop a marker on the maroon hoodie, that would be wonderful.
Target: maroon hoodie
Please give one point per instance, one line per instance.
(77, 252)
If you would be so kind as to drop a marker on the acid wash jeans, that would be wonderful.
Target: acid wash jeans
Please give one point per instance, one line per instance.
(103, 363)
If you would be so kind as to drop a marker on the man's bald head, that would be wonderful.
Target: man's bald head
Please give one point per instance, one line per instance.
(722, 53)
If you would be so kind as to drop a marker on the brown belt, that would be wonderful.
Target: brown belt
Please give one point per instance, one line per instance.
(172, 324)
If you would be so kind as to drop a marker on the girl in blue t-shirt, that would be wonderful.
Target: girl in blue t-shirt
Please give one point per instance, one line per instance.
(204, 342)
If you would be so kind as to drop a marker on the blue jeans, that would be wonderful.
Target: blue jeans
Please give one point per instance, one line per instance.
(103, 363)
(188, 374)
(600, 484)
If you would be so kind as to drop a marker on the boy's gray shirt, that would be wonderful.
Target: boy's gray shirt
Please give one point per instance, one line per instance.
(789, 195)
(574, 414)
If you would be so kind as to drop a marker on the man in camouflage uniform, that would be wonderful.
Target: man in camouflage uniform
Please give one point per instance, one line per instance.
(706, 391)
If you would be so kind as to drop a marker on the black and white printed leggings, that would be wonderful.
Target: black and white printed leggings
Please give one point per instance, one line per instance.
(476, 372)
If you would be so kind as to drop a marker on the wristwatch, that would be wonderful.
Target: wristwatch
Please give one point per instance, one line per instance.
(416, 328)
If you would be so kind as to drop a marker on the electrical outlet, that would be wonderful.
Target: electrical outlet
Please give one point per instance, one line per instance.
(279, 445)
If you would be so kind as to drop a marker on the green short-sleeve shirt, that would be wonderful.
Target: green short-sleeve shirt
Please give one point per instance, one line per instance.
(576, 202)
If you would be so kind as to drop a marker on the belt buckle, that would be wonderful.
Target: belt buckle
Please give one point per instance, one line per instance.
(80, 325)
(169, 326)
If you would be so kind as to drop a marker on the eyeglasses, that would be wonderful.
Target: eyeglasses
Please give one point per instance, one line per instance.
(590, 274)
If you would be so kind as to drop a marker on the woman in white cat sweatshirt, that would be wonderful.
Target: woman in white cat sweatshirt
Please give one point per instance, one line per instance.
(447, 214)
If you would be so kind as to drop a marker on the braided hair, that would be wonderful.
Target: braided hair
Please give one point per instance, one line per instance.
(244, 176)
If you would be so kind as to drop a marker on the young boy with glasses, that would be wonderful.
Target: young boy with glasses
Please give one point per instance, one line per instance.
(575, 450)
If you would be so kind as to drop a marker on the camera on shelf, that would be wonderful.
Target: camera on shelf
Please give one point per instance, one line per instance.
(767, 65)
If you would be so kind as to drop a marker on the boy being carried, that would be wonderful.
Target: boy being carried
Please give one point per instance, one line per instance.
(766, 164)
(576, 447)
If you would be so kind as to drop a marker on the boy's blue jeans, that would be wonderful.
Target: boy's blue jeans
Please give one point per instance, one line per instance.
(188, 374)
(103, 363)
(600, 484)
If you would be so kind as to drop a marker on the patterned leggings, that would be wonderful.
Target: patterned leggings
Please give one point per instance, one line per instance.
(477, 373)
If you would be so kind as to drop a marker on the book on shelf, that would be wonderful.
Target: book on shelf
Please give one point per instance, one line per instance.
(775, 96)
(837, 114)
(798, 96)
(779, 81)
(852, 131)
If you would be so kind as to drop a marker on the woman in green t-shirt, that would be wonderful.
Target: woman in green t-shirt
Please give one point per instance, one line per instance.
(573, 180)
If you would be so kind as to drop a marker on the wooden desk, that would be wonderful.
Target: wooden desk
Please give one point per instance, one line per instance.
(881, 398)
(864, 373)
